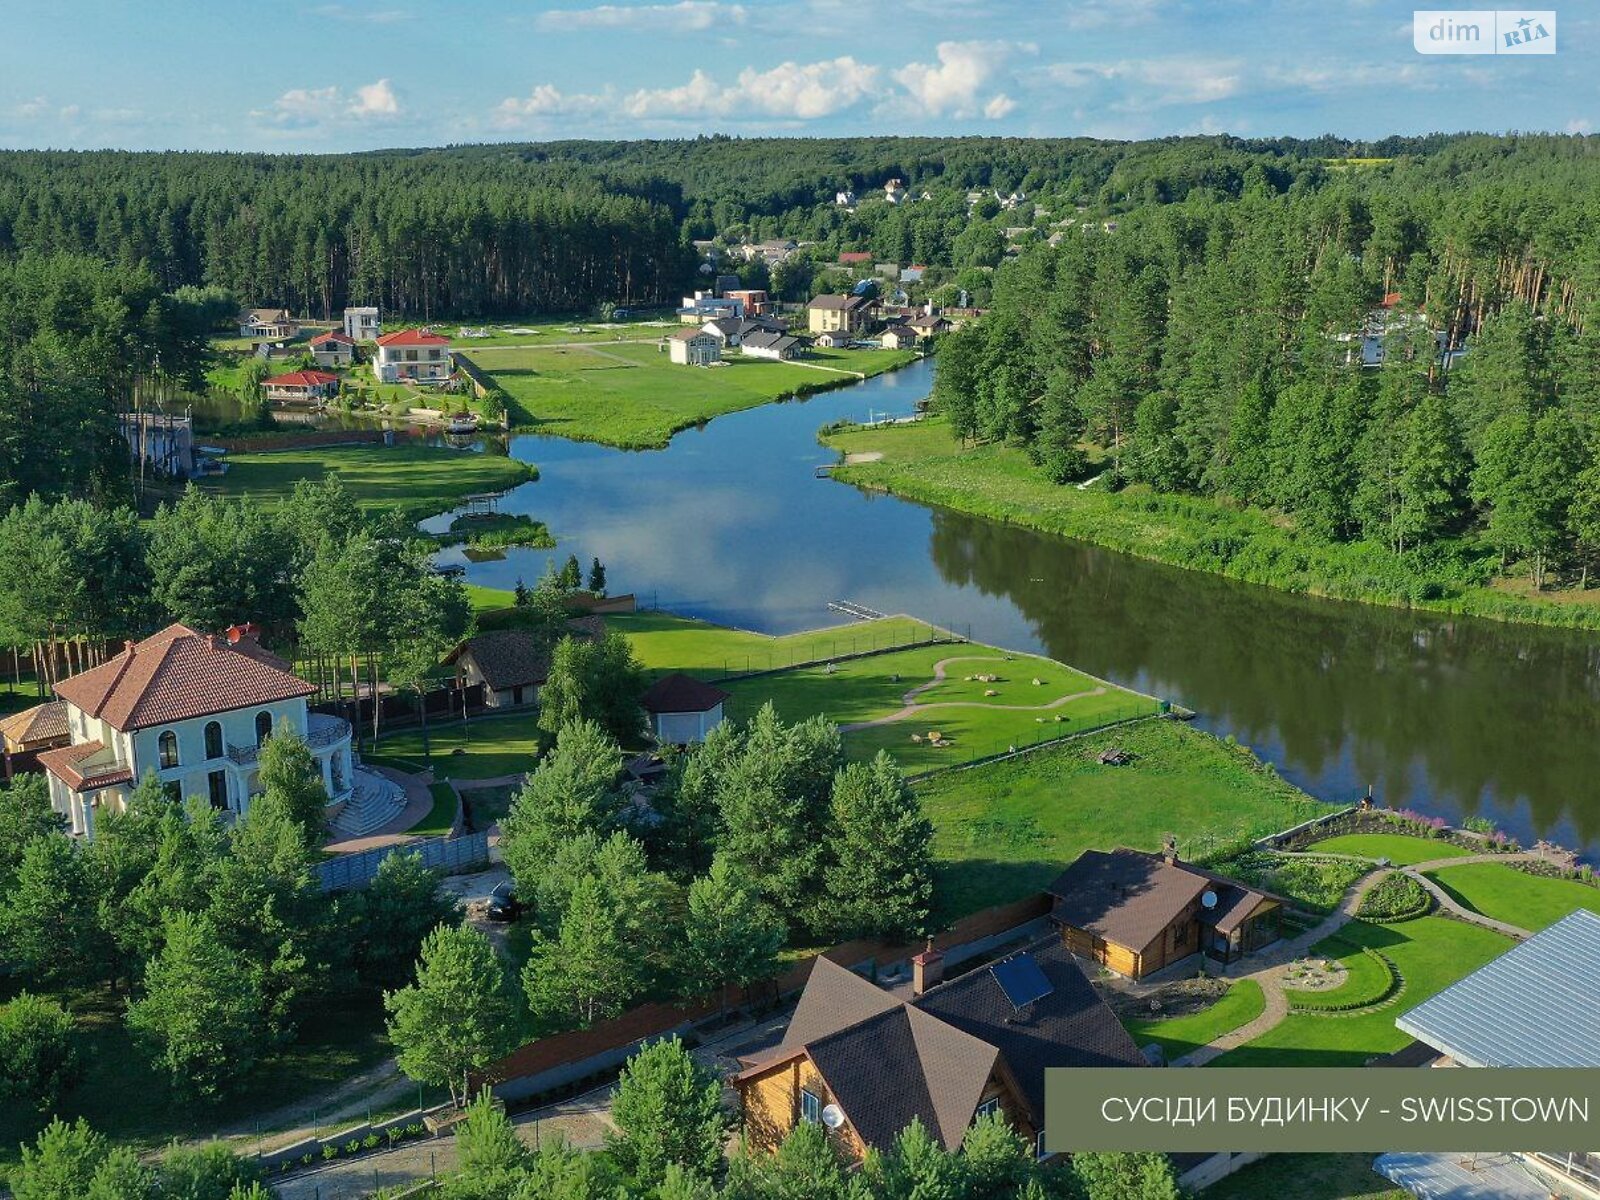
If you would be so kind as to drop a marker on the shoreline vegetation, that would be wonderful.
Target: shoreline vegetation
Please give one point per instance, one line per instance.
(926, 464)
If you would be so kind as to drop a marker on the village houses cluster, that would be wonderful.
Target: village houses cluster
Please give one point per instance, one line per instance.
(415, 356)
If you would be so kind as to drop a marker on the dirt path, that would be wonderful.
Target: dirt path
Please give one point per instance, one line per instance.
(911, 708)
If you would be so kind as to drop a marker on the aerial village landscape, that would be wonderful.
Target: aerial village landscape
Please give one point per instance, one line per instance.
(570, 665)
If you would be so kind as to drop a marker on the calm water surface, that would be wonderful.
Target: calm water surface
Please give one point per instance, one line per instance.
(1450, 715)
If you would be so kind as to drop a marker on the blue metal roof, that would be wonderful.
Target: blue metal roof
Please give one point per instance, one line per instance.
(1534, 1006)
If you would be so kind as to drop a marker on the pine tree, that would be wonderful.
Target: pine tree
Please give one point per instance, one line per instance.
(732, 938)
(879, 880)
(457, 1016)
(668, 1112)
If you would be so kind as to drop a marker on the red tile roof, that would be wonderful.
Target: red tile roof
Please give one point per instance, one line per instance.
(333, 335)
(63, 764)
(177, 675)
(413, 337)
(301, 379)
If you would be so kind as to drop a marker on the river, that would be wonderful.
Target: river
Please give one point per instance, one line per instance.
(1453, 716)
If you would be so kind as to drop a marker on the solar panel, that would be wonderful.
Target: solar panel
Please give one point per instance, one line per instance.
(1021, 980)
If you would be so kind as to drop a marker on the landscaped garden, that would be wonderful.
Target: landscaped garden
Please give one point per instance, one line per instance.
(1317, 884)
(419, 480)
(1504, 893)
(632, 395)
(979, 703)
(1429, 953)
(1363, 975)
(484, 747)
(1402, 849)
(1007, 829)
(1177, 1036)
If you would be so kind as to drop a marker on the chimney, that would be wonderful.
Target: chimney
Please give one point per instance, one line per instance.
(927, 970)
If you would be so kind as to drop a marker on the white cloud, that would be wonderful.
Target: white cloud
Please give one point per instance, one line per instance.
(305, 108)
(952, 85)
(1154, 83)
(797, 91)
(691, 16)
(375, 100)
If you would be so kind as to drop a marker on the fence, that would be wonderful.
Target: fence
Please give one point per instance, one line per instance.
(966, 754)
(448, 854)
(564, 1060)
(400, 708)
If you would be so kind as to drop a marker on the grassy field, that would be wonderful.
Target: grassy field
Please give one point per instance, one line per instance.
(1308, 1177)
(925, 462)
(482, 748)
(133, 1105)
(629, 394)
(1007, 829)
(1506, 894)
(971, 724)
(419, 480)
(1399, 848)
(1430, 953)
(1177, 1036)
(666, 643)
(441, 817)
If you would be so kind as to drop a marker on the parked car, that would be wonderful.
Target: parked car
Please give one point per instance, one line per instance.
(503, 905)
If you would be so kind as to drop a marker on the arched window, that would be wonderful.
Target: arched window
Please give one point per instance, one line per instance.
(213, 739)
(263, 727)
(167, 746)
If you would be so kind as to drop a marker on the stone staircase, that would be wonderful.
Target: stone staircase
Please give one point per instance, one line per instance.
(374, 802)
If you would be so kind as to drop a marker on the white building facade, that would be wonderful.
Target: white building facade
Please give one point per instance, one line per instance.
(362, 324)
(195, 710)
(413, 356)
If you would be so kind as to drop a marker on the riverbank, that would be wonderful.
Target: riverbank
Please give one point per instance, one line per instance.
(420, 481)
(629, 395)
(924, 462)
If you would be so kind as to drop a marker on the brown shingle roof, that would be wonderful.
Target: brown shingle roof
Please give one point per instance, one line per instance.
(45, 722)
(506, 658)
(175, 675)
(1125, 897)
(680, 693)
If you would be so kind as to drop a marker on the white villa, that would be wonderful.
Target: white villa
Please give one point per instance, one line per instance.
(695, 347)
(195, 709)
(413, 355)
(362, 324)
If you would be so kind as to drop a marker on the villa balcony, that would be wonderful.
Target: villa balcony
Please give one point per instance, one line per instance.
(321, 730)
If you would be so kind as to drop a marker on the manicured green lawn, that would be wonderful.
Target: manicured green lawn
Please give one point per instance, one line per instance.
(1368, 981)
(632, 395)
(441, 818)
(482, 748)
(1006, 829)
(1399, 848)
(1307, 1177)
(419, 480)
(488, 599)
(122, 1098)
(1515, 897)
(1430, 953)
(666, 643)
(1243, 1003)
(974, 726)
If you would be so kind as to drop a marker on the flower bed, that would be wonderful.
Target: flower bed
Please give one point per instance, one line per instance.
(1395, 897)
(1318, 884)
(1480, 836)
(1370, 979)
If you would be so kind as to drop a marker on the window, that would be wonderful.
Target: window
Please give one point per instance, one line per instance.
(167, 749)
(810, 1108)
(217, 783)
(213, 739)
(988, 1108)
(263, 727)
(173, 791)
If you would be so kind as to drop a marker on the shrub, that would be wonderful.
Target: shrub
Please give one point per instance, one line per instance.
(372, 1141)
(330, 1151)
(1316, 883)
(1396, 897)
(352, 1147)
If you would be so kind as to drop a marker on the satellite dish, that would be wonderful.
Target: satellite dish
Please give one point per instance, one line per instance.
(1208, 899)
(832, 1116)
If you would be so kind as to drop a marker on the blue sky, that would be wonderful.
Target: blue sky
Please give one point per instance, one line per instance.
(362, 74)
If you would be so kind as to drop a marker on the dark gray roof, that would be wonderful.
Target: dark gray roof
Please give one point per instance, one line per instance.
(1534, 1006)
(680, 693)
(780, 342)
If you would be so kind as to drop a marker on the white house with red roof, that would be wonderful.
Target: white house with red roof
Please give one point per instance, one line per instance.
(412, 356)
(301, 387)
(333, 349)
(194, 708)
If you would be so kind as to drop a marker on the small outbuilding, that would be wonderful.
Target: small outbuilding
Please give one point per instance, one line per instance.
(899, 337)
(683, 709)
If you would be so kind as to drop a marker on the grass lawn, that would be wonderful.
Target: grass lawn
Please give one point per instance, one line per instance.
(975, 725)
(441, 818)
(666, 643)
(482, 748)
(132, 1105)
(1177, 1036)
(419, 480)
(926, 462)
(1007, 829)
(488, 599)
(1515, 897)
(1430, 953)
(1399, 848)
(1368, 981)
(1307, 1177)
(631, 395)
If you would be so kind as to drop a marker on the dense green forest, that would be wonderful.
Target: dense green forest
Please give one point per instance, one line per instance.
(1205, 347)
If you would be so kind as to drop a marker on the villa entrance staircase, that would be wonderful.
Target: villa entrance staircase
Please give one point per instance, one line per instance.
(374, 802)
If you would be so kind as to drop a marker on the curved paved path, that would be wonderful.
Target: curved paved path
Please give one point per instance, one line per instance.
(1270, 967)
(911, 708)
